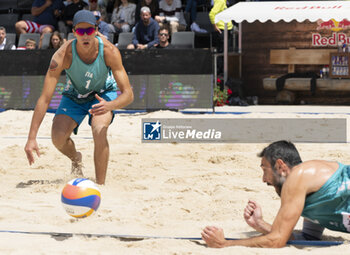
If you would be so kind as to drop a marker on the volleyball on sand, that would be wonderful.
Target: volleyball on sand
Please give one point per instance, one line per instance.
(80, 197)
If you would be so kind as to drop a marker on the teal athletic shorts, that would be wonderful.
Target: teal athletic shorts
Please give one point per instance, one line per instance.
(79, 111)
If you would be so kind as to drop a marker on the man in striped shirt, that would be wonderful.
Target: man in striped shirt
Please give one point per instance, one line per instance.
(46, 13)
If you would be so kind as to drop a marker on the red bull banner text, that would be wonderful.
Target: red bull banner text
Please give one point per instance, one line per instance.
(323, 41)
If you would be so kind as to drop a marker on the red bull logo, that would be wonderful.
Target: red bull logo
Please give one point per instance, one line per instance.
(344, 24)
(333, 25)
(325, 25)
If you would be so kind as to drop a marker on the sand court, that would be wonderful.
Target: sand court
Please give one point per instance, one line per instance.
(168, 189)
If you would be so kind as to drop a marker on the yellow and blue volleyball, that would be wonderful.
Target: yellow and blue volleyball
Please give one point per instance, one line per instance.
(80, 197)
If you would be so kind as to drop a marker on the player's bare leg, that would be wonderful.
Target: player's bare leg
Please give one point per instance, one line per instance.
(62, 128)
(77, 165)
(99, 125)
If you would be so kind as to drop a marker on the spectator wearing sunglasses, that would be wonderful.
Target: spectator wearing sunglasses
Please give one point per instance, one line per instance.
(93, 66)
(103, 27)
(163, 36)
(146, 32)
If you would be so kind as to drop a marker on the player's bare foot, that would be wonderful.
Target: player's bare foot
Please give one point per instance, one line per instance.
(77, 165)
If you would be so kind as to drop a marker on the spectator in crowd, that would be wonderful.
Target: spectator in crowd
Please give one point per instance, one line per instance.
(94, 6)
(123, 16)
(29, 45)
(56, 40)
(67, 2)
(4, 43)
(65, 25)
(46, 14)
(153, 5)
(103, 3)
(163, 36)
(219, 6)
(191, 15)
(103, 27)
(218, 36)
(146, 31)
(170, 13)
(110, 6)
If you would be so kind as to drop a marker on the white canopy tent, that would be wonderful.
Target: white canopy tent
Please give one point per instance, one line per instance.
(280, 11)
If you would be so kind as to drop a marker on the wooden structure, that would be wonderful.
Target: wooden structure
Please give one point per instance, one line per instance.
(292, 57)
(267, 53)
(303, 84)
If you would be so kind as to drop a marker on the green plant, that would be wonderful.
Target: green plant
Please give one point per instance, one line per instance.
(220, 96)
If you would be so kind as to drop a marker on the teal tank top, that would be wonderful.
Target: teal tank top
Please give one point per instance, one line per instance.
(330, 205)
(85, 80)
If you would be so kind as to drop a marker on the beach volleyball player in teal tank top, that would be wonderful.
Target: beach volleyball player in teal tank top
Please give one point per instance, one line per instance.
(85, 80)
(318, 190)
(330, 205)
(93, 68)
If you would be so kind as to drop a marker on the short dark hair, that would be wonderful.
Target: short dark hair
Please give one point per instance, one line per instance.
(163, 28)
(284, 150)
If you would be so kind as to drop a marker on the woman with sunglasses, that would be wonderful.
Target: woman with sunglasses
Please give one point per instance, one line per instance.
(93, 66)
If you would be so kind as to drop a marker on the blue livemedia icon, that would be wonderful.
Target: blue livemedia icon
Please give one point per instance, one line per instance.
(152, 130)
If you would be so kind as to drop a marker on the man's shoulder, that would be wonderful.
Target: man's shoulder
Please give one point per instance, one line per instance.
(108, 47)
(154, 22)
(65, 51)
(316, 163)
(103, 23)
(314, 173)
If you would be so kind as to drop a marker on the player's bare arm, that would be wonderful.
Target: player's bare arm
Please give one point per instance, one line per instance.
(292, 203)
(51, 79)
(36, 11)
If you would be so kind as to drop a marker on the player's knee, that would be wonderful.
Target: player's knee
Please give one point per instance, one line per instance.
(20, 26)
(58, 138)
(130, 47)
(100, 131)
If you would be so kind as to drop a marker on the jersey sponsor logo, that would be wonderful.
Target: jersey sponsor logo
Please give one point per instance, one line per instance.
(85, 95)
(346, 220)
(344, 186)
(312, 220)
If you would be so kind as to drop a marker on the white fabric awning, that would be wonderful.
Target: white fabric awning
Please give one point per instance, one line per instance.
(286, 11)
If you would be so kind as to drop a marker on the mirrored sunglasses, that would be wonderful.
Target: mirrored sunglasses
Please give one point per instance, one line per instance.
(82, 31)
(162, 34)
